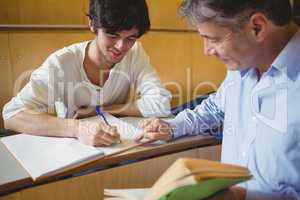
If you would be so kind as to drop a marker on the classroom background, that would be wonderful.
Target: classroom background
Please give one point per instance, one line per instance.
(30, 30)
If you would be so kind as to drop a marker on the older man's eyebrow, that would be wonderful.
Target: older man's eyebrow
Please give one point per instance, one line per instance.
(208, 37)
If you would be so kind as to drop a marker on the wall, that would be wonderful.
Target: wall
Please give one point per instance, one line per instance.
(73, 12)
(43, 12)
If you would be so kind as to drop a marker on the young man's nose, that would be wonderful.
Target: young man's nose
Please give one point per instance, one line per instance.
(120, 45)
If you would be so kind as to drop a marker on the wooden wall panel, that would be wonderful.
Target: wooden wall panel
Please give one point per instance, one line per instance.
(208, 72)
(164, 14)
(86, 9)
(30, 49)
(5, 71)
(43, 12)
(170, 54)
(52, 12)
(9, 12)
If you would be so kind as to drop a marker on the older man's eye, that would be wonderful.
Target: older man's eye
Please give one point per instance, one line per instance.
(214, 40)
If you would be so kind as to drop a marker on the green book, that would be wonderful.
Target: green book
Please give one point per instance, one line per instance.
(195, 179)
(201, 190)
(190, 179)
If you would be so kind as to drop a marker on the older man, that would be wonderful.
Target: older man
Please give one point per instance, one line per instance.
(258, 101)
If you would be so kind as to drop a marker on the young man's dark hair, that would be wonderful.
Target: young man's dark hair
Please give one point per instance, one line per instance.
(296, 11)
(117, 15)
(234, 13)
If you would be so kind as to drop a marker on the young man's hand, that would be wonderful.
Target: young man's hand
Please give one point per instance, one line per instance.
(154, 129)
(97, 133)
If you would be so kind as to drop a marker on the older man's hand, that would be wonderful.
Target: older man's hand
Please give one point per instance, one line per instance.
(154, 129)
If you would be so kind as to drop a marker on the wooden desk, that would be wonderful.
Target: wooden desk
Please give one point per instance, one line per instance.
(138, 168)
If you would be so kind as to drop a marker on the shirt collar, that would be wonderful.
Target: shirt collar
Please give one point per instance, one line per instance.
(243, 72)
(288, 57)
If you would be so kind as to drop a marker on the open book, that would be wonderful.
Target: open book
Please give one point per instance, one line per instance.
(126, 194)
(45, 156)
(191, 179)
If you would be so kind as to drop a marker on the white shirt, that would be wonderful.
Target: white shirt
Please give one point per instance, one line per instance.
(62, 78)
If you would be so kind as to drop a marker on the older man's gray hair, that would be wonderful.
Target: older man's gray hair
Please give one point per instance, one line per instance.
(235, 13)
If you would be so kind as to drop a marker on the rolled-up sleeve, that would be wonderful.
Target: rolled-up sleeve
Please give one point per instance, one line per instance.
(33, 96)
(36, 94)
(207, 116)
(154, 99)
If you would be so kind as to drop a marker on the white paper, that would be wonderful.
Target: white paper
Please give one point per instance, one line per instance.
(126, 194)
(41, 155)
(126, 130)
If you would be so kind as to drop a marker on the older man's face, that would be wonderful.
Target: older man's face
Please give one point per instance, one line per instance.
(236, 50)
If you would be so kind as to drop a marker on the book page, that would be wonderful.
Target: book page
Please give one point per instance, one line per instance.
(41, 155)
(126, 130)
(125, 194)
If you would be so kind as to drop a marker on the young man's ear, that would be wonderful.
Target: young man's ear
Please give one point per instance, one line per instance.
(259, 25)
(92, 27)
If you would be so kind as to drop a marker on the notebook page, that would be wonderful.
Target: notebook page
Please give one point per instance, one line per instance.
(126, 130)
(41, 155)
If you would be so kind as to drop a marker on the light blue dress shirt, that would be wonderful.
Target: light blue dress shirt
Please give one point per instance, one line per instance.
(261, 124)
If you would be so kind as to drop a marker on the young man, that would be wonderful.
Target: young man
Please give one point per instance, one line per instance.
(257, 102)
(98, 72)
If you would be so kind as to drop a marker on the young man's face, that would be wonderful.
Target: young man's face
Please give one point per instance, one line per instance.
(236, 50)
(114, 46)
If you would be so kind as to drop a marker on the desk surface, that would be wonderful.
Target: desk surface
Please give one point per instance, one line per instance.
(13, 177)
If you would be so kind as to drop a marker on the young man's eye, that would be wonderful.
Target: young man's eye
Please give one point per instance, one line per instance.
(132, 39)
(112, 35)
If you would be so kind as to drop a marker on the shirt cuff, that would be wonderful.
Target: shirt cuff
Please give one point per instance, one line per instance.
(177, 126)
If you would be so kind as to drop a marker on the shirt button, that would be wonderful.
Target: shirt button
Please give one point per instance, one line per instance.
(254, 119)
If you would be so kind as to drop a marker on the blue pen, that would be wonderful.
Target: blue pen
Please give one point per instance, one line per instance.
(101, 115)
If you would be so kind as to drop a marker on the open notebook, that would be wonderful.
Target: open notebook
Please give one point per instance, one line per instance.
(45, 156)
